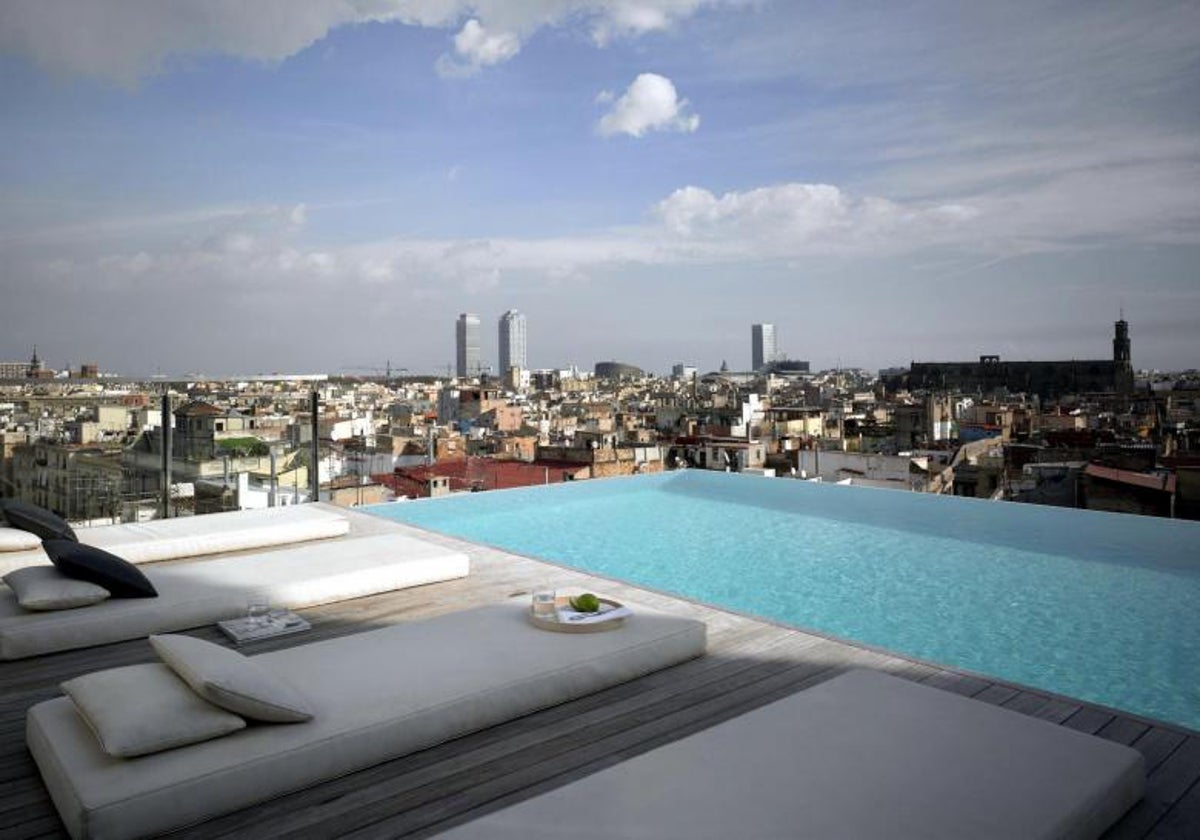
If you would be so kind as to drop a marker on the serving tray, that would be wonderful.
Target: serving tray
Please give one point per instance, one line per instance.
(552, 623)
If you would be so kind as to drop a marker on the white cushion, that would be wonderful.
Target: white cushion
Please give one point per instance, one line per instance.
(216, 533)
(14, 539)
(44, 588)
(234, 682)
(145, 709)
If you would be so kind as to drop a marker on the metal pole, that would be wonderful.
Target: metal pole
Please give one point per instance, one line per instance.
(314, 472)
(166, 455)
(274, 480)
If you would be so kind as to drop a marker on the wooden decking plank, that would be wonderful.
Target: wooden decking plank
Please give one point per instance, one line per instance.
(1051, 709)
(1056, 710)
(1025, 702)
(964, 684)
(18, 802)
(1089, 719)
(1180, 822)
(38, 823)
(1165, 785)
(1156, 744)
(997, 694)
(1123, 730)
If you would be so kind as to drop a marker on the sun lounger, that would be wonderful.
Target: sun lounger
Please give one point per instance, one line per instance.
(375, 696)
(206, 591)
(196, 536)
(863, 755)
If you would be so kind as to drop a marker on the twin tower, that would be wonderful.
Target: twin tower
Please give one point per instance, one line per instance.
(512, 343)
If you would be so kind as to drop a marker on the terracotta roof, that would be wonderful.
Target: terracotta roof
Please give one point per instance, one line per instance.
(199, 407)
(1148, 481)
(484, 473)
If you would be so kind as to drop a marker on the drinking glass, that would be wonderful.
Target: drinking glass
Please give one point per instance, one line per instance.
(258, 610)
(543, 603)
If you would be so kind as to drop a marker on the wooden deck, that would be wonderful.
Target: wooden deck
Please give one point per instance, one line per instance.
(749, 663)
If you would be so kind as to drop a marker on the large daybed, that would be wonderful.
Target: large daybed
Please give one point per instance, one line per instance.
(191, 536)
(863, 755)
(206, 591)
(374, 696)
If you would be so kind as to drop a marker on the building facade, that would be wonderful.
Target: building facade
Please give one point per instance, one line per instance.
(763, 348)
(466, 341)
(512, 341)
(1050, 379)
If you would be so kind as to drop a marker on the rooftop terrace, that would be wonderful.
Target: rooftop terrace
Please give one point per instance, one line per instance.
(749, 663)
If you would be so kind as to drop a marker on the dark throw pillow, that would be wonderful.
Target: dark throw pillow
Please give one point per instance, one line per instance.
(36, 520)
(86, 562)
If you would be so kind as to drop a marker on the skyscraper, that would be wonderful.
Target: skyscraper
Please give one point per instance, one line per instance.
(512, 341)
(762, 345)
(466, 334)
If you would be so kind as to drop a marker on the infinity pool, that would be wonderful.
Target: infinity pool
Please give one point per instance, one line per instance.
(1098, 606)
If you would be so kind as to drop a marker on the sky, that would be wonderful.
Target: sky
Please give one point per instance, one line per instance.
(223, 187)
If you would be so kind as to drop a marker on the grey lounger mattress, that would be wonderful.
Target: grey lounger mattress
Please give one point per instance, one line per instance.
(207, 591)
(864, 755)
(377, 695)
(197, 536)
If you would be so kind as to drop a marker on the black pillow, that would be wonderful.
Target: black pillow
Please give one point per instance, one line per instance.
(86, 562)
(36, 520)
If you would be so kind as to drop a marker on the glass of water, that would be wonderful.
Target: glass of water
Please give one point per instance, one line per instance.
(543, 603)
(258, 610)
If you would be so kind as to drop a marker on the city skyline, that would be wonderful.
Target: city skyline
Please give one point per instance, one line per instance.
(511, 346)
(240, 189)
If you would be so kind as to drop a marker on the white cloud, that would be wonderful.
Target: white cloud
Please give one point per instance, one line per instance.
(788, 220)
(126, 40)
(476, 48)
(631, 18)
(649, 104)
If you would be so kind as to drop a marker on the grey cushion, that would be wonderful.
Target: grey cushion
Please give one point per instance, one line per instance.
(379, 695)
(207, 591)
(863, 755)
(234, 682)
(43, 588)
(144, 709)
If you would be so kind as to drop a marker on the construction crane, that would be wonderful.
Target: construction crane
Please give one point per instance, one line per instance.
(386, 370)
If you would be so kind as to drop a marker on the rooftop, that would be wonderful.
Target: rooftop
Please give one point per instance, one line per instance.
(749, 663)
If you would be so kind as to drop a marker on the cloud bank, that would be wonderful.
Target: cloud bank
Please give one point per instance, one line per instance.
(124, 41)
(225, 247)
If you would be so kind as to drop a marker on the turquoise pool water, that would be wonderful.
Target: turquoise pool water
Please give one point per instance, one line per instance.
(1102, 607)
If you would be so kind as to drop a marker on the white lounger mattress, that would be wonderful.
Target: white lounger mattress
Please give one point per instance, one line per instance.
(196, 536)
(377, 696)
(864, 755)
(207, 591)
